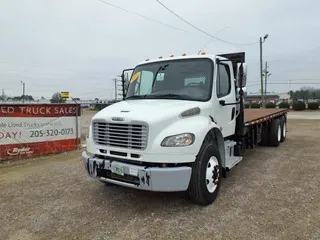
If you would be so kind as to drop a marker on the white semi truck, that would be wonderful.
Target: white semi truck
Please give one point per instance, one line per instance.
(180, 127)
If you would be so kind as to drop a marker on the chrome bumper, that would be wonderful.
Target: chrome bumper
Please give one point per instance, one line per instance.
(169, 179)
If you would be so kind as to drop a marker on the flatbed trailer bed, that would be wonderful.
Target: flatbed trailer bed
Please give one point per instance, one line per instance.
(261, 127)
(253, 116)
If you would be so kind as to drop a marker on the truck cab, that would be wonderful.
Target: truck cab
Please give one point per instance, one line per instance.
(175, 129)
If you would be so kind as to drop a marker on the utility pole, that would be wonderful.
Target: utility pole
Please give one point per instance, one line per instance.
(265, 81)
(291, 97)
(261, 75)
(289, 85)
(266, 75)
(115, 89)
(261, 71)
(23, 90)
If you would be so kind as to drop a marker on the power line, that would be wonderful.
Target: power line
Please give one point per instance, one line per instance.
(145, 17)
(287, 80)
(58, 81)
(54, 68)
(15, 71)
(306, 79)
(212, 38)
(208, 34)
(285, 83)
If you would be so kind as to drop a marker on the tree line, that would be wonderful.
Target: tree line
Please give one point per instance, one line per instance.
(17, 98)
(305, 93)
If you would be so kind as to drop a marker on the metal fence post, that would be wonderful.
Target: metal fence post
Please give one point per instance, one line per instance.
(77, 125)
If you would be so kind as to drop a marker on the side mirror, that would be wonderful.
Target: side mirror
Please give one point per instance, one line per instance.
(244, 75)
(126, 76)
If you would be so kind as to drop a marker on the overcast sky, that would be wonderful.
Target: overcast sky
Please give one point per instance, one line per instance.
(80, 45)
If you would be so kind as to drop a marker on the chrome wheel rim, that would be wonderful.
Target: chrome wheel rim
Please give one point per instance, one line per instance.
(284, 131)
(212, 174)
(279, 133)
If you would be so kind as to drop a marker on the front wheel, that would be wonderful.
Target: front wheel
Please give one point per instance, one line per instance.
(206, 175)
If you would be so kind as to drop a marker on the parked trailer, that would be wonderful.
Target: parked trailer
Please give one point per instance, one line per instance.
(181, 127)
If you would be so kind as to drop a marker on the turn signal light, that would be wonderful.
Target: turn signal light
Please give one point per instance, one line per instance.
(203, 53)
(147, 59)
(171, 55)
(160, 57)
(184, 54)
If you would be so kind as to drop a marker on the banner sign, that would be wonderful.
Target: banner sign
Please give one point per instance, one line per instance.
(38, 129)
(64, 94)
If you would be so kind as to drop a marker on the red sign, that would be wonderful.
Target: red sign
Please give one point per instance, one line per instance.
(35, 130)
(41, 110)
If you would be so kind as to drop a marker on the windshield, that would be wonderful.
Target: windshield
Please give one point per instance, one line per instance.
(187, 79)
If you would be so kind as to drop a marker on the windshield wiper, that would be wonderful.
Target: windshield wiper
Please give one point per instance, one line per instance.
(170, 95)
(161, 96)
(135, 97)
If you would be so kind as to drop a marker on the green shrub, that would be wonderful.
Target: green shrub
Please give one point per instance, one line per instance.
(99, 107)
(270, 105)
(247, 105)
(313, 105)
(284, 105)
(298, 105)
(255, 105)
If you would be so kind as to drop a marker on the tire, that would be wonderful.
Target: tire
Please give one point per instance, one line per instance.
(283, 124)
(199, 190)
(275, 133)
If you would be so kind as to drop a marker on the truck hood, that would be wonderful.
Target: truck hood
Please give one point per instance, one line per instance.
(149, 110)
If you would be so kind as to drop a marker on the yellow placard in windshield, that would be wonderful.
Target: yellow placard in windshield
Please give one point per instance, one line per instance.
(135, 77)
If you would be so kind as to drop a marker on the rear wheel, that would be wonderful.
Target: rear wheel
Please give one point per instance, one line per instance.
(283, 129)
(275, 133)
(206, 175)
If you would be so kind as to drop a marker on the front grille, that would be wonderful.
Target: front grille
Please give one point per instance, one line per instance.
(132, 136)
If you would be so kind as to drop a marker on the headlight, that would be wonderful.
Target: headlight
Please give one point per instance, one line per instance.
(179, 140)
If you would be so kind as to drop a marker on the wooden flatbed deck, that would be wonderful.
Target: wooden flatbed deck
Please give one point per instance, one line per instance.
(253, 115)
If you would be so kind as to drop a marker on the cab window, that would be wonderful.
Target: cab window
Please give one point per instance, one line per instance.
(223, 81)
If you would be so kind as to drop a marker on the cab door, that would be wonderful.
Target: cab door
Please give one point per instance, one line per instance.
(225, 115)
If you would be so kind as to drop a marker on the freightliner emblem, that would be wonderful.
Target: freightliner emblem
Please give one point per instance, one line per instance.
(117, 119)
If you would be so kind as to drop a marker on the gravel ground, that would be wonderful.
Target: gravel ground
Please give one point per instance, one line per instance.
(304, 115)
(272, 194)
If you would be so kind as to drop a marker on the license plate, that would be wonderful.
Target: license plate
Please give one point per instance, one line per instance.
(117, 169)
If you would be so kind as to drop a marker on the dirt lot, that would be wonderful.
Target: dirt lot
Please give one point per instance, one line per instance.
(85, 122)
(273, 194)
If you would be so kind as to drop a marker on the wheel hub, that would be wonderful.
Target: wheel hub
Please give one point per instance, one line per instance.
(279, 133)
(212, 174)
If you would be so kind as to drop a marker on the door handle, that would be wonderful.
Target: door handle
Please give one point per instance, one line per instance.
(233, 113)
(223, 103)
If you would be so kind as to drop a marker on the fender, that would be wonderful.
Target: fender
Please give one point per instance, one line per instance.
(201, 126)
(213, 133)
